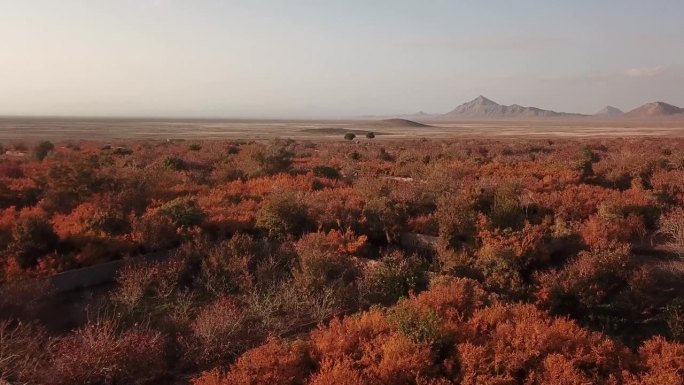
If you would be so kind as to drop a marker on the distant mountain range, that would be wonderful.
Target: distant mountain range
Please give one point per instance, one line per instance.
(610, 111)
(484, 108)
(655, 109)
(487, 108)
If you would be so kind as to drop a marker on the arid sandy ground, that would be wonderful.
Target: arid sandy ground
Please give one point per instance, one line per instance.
(31, 129)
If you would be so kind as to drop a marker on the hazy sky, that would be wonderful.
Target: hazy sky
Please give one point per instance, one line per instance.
(310, 58)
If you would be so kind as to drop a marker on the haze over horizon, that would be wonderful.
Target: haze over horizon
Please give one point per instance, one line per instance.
(279, 58)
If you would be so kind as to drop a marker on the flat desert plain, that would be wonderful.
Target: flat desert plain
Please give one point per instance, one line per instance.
(31, 129)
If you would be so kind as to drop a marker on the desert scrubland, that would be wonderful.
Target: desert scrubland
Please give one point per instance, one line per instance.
(278, 252)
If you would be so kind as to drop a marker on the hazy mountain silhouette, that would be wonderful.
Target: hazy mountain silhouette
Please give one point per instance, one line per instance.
(482, 107)
(485, 108)
(654, 109)
(609, 111)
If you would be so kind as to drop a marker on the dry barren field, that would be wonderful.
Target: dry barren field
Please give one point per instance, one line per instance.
(12, 128)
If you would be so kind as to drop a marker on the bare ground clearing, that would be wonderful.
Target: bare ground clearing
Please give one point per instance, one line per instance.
(32, 129)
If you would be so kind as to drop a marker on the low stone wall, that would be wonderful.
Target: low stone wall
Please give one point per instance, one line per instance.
(106, 272)
(418, 242)
(96, 275)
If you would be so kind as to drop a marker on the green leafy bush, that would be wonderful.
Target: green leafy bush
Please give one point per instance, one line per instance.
(326, 172)
(175, 163)
(183, 212)
(281, 215)
(274, 159)
(394, 277)
(42, 149)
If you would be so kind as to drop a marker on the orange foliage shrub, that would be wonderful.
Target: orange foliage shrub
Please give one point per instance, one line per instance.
(575, 202)
(669, 185)
(672, 227)
(274, 363)
(347, 242)
(83, 220)
(28, 235)
(504, 256)
(347, 338)
(520, 344)
(453, 299)
(336, 208)
(598, 231)
(375, 348)
(338, 372)
(525, 246)
(496, 344)
(154, 231)
(227, 213)
(379, 353)
(457, 218)
(660, 362)
(589, 278)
